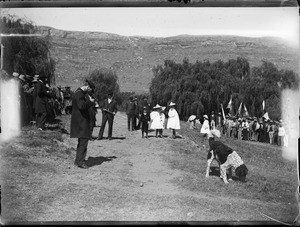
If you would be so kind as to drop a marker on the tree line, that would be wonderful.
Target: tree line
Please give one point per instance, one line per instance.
(201, 87)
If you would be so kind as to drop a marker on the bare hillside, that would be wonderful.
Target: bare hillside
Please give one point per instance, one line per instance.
(77, 53)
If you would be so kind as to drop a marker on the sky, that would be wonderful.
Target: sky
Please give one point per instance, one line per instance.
(167, 21)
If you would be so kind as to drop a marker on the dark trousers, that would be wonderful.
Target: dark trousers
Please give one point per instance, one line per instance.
(134, 122)
(110, 118)
(41, 120)
(81, 150)
(130, 122)
(91, 124)
(145, 127)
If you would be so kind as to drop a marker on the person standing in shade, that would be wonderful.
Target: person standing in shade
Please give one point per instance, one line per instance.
(219, 121)
(245, 129)
(136, 114)
(130, 108)
(80, 122)
(173, 119)
(41, 103)
(109, 109)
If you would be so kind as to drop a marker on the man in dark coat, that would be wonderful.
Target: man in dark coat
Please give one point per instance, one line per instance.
(130, 108)
(41, 103)
(109, 109)
(92, 112)
(80, 119)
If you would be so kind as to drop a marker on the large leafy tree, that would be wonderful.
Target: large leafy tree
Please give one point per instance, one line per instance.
(105, 80)
(202, 87)
(24, 51)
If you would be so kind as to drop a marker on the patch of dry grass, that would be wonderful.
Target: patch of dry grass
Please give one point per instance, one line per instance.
(270, 178)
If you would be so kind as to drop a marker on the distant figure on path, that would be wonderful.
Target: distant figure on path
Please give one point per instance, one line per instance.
(173, 120)
(109, 109)
(80, 122)
(130, 108)
(144, 120)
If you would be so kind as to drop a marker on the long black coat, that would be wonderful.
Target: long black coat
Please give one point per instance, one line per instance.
(41, 102)
(80, 118)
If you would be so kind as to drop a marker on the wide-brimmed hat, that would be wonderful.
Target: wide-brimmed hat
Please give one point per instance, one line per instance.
(157, 106)
(35, 78)
(27, 77)
(205, 116)
(15, 74)
(22, 77)
(172, 104)
(91, 84)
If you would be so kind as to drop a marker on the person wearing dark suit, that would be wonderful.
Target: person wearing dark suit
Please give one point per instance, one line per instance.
(80, 122)
(109, 109)
(130, 108)
(92, 112)
(41, 103)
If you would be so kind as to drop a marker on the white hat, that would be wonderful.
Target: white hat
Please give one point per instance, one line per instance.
(22, 77)
(15, 74)
(157, 106)
(36, 76)
(172, 104)
(214, 133)
(205, 116)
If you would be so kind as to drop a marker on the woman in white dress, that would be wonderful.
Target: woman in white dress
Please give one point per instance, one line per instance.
(157, 120)
(205, 126)
(173, 120)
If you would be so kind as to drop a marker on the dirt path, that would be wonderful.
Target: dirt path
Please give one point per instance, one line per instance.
(130, 179)
(135, 181)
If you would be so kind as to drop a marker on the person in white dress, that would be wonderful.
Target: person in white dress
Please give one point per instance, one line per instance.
(157, 118)
(205, 126)
(173, 120)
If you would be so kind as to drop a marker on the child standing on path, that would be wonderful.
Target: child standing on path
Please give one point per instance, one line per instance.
(144, 119)
(173, 120)
(157, 120)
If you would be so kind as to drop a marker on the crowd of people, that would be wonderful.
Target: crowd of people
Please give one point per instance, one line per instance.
(41, 103)
(262, 130)
(142, 116)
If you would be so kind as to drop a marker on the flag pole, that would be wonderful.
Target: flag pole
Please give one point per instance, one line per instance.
(223, 111)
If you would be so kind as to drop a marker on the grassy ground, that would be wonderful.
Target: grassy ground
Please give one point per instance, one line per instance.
(271, 179)
(152, 179)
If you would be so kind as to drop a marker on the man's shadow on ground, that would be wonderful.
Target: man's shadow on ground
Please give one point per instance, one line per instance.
(93, 161)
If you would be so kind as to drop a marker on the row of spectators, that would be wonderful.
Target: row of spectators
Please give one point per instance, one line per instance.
(40, 102)
(245, 128)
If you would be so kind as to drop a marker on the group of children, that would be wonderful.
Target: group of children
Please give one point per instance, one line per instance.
(156, 120)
